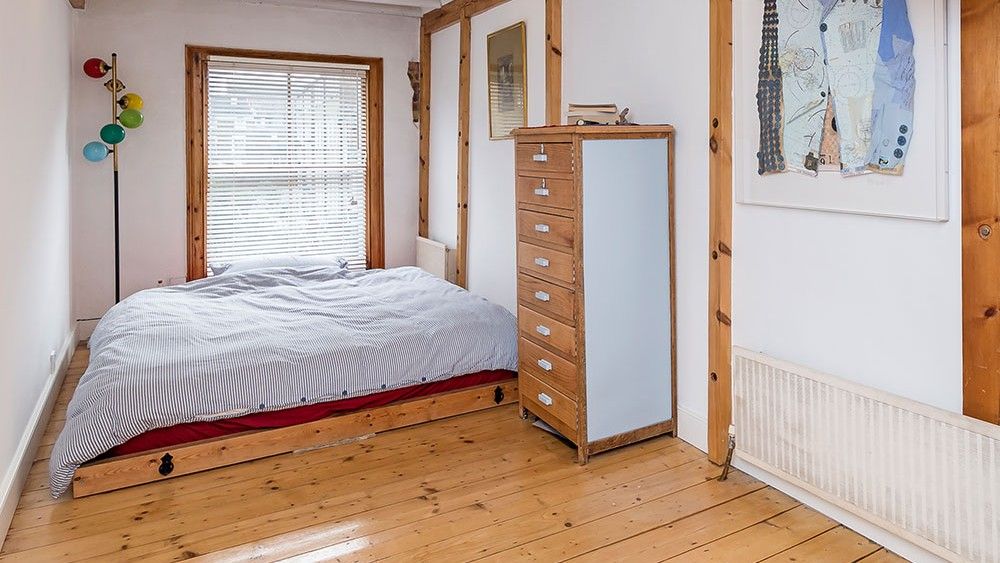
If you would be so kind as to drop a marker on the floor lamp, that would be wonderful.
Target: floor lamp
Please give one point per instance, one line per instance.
(125, 113)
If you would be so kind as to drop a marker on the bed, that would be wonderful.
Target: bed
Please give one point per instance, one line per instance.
(256, 363)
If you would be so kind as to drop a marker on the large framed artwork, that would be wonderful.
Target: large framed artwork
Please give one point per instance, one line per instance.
(843, 107)
(508, 87)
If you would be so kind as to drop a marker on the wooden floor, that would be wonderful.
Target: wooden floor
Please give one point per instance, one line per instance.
(481, 486)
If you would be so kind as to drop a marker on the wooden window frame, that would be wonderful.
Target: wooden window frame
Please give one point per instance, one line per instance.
(196, 74)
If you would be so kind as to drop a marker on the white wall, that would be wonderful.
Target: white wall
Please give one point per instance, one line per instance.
(149, 36)
(442, 203)
(35, 295)
(652, 57)
(870, 299)
(492, 230)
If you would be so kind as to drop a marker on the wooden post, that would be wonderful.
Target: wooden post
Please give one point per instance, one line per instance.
(464, 95)
(553, 62)
(720, 229)
(425, 128)
(981, 208)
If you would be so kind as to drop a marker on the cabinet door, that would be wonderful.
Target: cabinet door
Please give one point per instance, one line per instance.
(626, 281)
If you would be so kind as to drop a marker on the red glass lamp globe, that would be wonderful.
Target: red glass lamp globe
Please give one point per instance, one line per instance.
(95, 68)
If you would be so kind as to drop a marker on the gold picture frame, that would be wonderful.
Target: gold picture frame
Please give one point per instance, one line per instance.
(507, 76)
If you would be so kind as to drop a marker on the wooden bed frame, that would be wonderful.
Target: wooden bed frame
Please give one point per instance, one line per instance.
(183, 459)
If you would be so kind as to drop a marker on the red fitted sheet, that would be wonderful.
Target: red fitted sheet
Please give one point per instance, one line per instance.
(194, 431)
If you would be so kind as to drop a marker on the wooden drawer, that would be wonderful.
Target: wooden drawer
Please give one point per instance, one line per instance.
(552, 229)
(545, 157)
(548, 298)
(556, 335)
(551, 192)
(549, 404)
(545, 262)
(548, 367)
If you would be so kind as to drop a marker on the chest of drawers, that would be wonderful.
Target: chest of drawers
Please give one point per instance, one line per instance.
(596, 282)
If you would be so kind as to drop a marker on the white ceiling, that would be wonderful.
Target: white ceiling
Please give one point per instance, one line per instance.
(399, 7)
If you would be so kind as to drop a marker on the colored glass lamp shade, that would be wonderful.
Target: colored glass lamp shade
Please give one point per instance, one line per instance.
(112, 133)
(95, 151)
(95, 68)
(131, 101)
(130, 118)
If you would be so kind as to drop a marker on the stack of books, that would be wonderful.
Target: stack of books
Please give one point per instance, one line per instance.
(592, 114)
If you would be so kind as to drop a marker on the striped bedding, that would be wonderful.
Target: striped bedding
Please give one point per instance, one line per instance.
(270, 339)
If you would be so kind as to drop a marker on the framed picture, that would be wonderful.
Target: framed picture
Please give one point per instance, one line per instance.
(920, 193)
(508, 88)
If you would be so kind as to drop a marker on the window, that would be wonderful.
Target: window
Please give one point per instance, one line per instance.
(287, 159)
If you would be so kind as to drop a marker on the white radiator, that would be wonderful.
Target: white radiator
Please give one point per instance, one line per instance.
(927, 475)
(436, 258)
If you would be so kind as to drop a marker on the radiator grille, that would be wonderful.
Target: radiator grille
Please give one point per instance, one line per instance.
(925, 474)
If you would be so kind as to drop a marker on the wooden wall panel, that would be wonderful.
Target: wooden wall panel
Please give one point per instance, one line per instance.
(553, 62)
(720, 229)
(425, 129)
(464, 118)
(981, 208)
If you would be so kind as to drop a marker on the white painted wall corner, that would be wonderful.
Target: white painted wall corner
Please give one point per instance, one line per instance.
(24, 456)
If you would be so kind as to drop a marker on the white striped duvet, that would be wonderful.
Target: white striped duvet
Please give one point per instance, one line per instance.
(270, 339)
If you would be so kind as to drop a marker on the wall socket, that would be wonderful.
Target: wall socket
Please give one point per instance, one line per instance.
(164, 282)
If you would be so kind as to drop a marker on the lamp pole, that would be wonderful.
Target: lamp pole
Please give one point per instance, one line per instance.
(114, 162)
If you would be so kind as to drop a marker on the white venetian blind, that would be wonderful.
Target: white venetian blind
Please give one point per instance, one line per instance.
(287, 160)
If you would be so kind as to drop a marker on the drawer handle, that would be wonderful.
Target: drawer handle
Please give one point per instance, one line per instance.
(542, 296)
(543, 330)
(545, 399)
(541, 156)
(542, 228)
(542, 192)
(545, 364)
(542, 262)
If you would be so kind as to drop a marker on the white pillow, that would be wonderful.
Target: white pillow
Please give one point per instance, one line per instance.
(280, 261)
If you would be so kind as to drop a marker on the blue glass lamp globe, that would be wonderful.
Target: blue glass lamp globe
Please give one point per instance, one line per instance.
(95, 151)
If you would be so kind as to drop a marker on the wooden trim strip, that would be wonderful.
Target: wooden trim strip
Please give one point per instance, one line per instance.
(631, 437)
(195, 111)
(981, 209)
(720, 229)
(137, 469)
(553, 62)
(196, 61)
(464, 118)
(375, 227)
(425, 129)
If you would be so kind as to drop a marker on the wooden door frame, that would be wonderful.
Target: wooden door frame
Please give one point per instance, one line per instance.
(196, 76)
(981, 209)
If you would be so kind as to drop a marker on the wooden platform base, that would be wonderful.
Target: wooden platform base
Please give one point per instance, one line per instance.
(157, 465)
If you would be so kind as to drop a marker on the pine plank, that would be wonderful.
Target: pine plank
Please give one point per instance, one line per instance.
(839, 543)
(765, 539)
(642, 535)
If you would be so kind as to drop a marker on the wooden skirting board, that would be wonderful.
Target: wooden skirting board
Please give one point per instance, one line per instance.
(158, 465)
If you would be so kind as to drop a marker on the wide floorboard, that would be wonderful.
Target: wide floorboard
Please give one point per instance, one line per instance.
(484, 486)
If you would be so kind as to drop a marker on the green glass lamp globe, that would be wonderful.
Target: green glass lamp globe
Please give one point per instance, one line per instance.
(112, 133)
(130, 118)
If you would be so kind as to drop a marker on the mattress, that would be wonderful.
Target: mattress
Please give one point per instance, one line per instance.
(268, 340)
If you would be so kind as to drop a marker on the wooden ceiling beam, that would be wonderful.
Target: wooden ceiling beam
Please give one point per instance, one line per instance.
(451, 13)
(78, 4)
